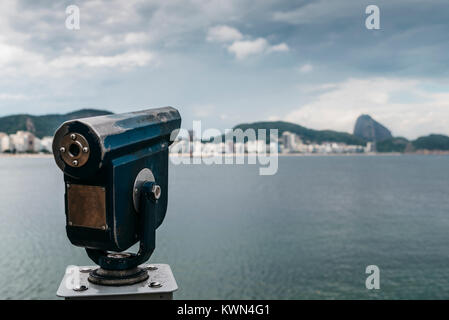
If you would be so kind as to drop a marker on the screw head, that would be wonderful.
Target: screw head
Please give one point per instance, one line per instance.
(73, 136)
(85, 149)
(75, 162)
(62, 149)
(155, 284)
(156, 190)
(80, 288)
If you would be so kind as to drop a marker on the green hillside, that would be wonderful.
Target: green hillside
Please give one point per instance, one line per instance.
(432, 142)
(307, 135)
(398, 144)
(45, 125)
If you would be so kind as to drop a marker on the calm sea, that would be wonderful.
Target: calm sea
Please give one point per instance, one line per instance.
(307, 232)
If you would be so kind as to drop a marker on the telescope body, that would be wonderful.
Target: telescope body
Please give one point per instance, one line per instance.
(106, 160)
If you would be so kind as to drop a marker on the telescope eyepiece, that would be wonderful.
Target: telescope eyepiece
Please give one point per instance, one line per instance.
(74, 150)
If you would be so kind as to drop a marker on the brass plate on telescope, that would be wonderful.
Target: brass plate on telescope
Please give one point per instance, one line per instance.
(86, 206)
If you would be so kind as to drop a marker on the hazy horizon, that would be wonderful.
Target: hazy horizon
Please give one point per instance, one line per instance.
(190, 127)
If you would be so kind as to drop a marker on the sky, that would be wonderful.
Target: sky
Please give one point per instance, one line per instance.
(225, 62)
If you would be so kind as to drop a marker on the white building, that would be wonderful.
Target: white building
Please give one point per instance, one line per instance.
(46, 144)
(5, 142)
(369, 147)
(229, 147)
(23, 141)
(273, 147)
(211, 149)
(289, 141)
(239, 148)
(37, 145)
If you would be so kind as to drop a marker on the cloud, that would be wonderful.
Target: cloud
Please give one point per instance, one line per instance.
(239, 47)
(243, 49)
(306, 68)
(125, 60)
(203, 111)
(281, 47)
(403, 105)
(8, 96)
(39, 45)
(316, 12)
(125, 40)
(10, 55)
(17, 62)
(184, 38)
(223, 34)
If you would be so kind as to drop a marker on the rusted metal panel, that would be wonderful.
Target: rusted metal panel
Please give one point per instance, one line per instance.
(86, 206)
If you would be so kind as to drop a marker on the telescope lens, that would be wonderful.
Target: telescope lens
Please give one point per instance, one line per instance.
(74, 149)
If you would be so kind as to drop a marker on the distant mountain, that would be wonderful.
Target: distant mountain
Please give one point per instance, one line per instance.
(369, 129)
(45, 125)
(307, 135)
(432, 142)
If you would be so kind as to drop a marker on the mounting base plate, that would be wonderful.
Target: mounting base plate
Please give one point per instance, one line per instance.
(160, 285)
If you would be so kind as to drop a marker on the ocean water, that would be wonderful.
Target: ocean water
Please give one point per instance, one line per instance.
(307, 232)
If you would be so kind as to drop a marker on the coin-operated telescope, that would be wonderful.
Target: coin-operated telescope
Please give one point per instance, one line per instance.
(116, 179)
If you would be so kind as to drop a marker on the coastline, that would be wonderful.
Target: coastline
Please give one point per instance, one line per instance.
(26, 155)
(324, 154)
(43, 155)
